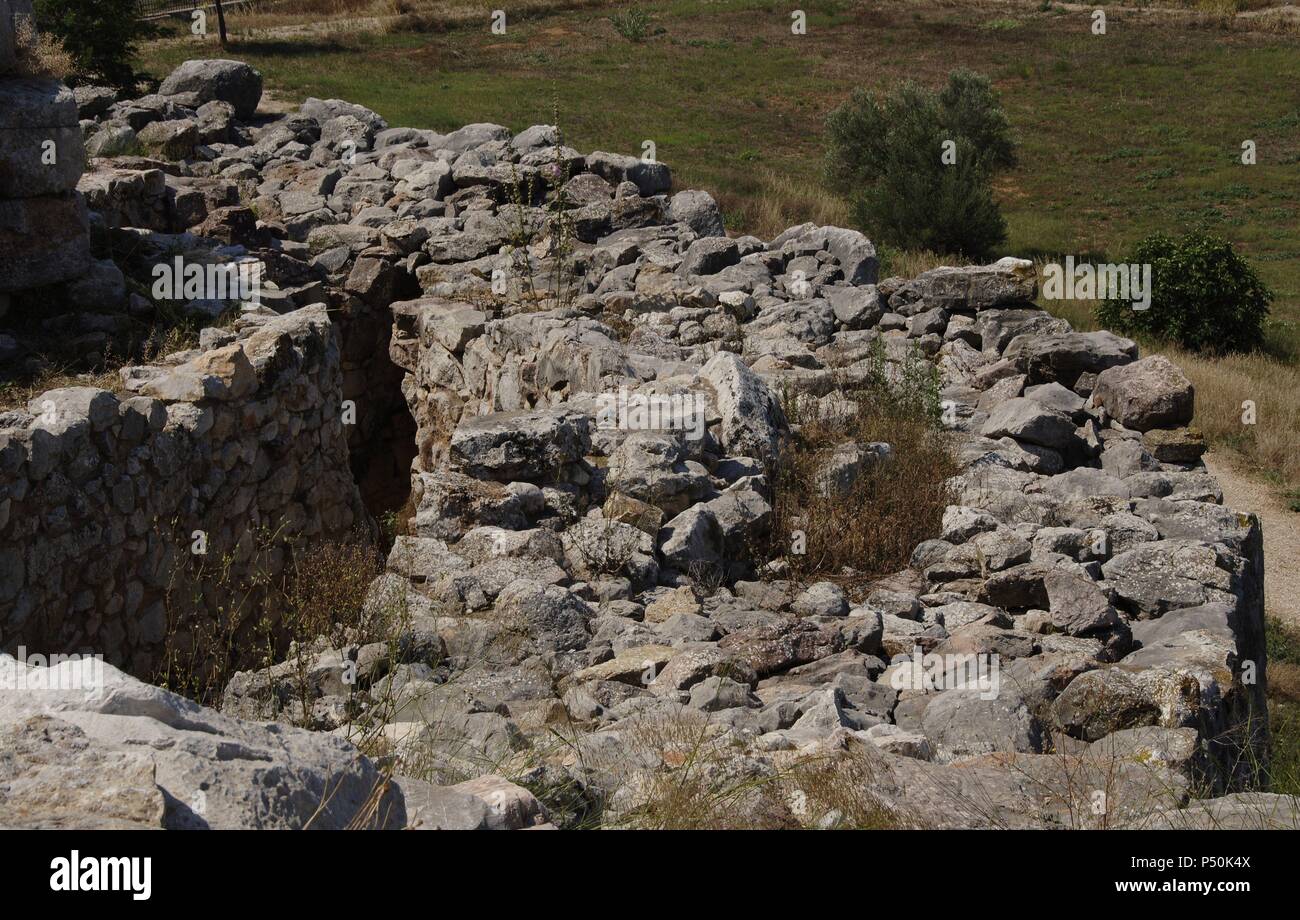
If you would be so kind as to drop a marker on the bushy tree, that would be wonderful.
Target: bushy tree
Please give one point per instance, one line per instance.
(1204, 296)
(885, 154)
(101, 36)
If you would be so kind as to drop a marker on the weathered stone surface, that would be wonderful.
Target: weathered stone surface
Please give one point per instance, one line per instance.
(1155, 577)
(55, 777)
(854, 252)
(45, 240)
(1006, 282)
(752, 420)
(142, 459)
(821, 599)
(708, 256)
(511, 446)
(211, 770)
(41, 150)
(698, 211)
(1150, 393)
(441, 808)
(1100, 702)
(651, 467)
(1246, 811)
(769, 649)
(203, 81)
(964, 722)
(1077, 605)
(1177, 445)
(1030, 421)
(103, 287)
(616, 583)
(692, 538)
(509, 806)
(172, 139)
(1063, 358)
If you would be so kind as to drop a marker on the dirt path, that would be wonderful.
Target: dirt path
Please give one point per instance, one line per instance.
(1281, 537)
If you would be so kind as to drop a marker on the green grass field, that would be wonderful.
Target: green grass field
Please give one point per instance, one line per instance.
(1120, 134)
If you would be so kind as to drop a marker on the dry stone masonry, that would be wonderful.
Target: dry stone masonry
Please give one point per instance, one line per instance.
(584, 386)
(44, 232)
(105, 493)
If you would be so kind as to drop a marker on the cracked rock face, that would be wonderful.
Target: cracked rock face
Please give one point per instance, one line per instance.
(589, 427)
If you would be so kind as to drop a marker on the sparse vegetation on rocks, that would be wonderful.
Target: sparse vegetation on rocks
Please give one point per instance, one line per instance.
(517, 493)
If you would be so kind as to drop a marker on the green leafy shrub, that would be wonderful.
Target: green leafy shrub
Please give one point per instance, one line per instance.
(1205, 297)
(100, 36)
(884, 154)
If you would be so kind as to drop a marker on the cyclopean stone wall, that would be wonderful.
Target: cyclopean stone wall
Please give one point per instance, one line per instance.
(101, 493)
(1086, 546)
(562, 568)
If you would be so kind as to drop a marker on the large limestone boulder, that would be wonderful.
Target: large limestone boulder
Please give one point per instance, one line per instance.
(1240, 811)
(649, 466)
(41, 148)
(752, 419)
(203, 81)
(1063, 358)
(206, 770)
(1032, 422)
(650, 178)
(1147, 394)
(173, 140)
(1011, 789)
(855, 253)
(961, 722)
(1154, 577)
(1078, 606)
(55, 777)
(981, 287)
(472, 136)
(708, 256)
(514, 446)
(697, 210)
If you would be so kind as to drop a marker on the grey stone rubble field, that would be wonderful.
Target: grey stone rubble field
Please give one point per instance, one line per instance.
(575, 610)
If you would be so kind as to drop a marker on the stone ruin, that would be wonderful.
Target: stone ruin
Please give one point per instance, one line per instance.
(44, 228)
(481, 300)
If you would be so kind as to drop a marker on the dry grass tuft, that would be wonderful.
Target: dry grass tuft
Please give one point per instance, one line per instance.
(908, 263)
(778, 203)
(1271, 444)
(251, 606)
(18, 394)
(706, 781)
(872, 528)
(41, 55)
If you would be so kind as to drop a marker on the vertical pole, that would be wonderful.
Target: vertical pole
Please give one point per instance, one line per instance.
(221, 23)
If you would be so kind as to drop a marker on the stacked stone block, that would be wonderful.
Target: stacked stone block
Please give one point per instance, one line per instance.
(101, 493)
(44, 228)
